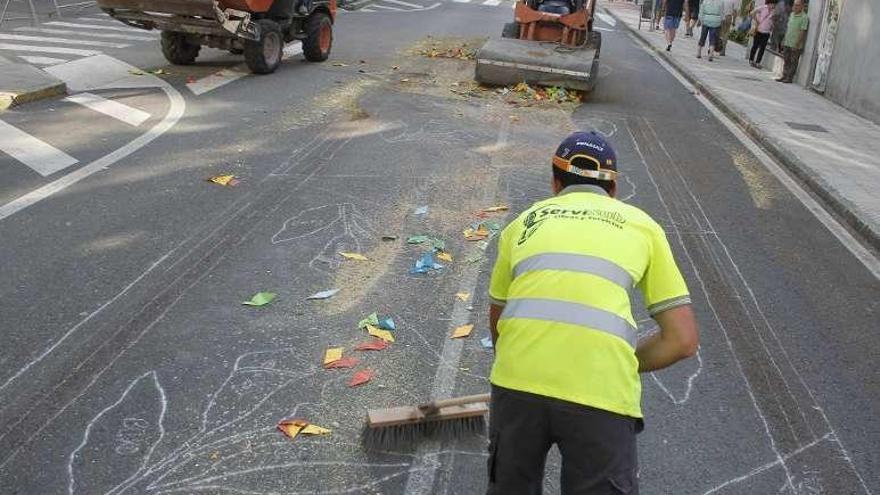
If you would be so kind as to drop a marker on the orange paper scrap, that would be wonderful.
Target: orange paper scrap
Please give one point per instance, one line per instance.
(373, 345)
(292, 427)
(361, 377)
(462, 331)
(346, 362)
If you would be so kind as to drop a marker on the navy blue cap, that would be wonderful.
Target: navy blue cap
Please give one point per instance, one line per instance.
(587, 154)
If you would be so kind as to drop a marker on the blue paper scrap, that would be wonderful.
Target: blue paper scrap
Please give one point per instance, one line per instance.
(421, 210)
(487, 342)
(324, 294)
(426, 263)
(387, 324)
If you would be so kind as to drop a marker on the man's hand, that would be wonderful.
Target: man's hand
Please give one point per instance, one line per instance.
(494, 314)
(677, 339)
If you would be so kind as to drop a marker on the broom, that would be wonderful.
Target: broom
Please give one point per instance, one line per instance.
(440, 419)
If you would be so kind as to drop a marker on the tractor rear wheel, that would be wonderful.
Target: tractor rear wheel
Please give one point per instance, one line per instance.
(178, 49)
(319, 37)
(264, 56)
(510, 30)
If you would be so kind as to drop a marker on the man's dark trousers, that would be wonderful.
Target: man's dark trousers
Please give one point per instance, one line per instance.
(598, 447)
(790, 57)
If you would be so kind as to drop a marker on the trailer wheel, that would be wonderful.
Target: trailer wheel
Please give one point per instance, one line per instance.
(319, 37)
(510, 30)
(264, 56)
(178, 49)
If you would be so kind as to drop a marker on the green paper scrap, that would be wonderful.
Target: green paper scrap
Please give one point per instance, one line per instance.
(373, 319)
(439, 244)
(417, 239)
(260, 299)
(475, 258)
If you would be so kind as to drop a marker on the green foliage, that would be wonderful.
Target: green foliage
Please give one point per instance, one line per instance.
(738, 37)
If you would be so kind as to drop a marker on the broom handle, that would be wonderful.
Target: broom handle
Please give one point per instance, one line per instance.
(456, 401)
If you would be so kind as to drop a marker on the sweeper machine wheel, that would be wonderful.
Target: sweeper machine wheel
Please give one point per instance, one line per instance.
(178, 48)
(264, 55)
(319, 37)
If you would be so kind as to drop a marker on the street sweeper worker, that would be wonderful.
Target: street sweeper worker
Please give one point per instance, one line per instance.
(567, 354)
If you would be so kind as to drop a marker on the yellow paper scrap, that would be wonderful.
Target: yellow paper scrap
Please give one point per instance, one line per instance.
(354, 256)
(223, 180)
(332, 354)
(462, 331)
(314, 430)
(493, 209)
(382, 334)
(463, 296)
(444, 256)
(292, 428)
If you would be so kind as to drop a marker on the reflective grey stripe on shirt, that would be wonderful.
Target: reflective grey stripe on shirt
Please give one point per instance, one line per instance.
(583, 263)
(573, 314)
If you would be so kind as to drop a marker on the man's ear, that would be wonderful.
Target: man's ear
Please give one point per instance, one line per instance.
(556, 185)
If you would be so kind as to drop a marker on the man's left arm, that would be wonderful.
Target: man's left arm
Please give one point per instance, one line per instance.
(802, 37)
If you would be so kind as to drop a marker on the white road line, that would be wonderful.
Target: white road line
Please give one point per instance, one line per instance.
(492, 3)
(100, 20)
(44, 158)
(42, 60)
(367, 9)
(129, 115)
(404, 4)
(114, 70)
(48, 49)
(385, 7)
(861, 253)
(226, 76)
(87, 27)
(462, 1)
(64, 41)
(607, 19)
(146, 37)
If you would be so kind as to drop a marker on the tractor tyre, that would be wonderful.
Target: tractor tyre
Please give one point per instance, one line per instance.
(178, 49)
(264, 56)
(319, 37)
(510, 30)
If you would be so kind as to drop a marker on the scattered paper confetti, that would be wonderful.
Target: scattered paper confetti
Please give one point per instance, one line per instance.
(372, 319)
(361, 377)
(260, 299)
(486, 342)
(444, 256)
(417, 239)
(324, 294)
(382, 334)
(462, 331)
(339, 64)
(332, 354)
(438, 244)
(136, 72)
(215, 455)
(389, 237)
(292, 427)
(315, 430)
(224, 180)
(354, 256)
(346, 362)
(387, 324)
(373, 345)
(421, 210)
(425, 264)
(463, 296)
(493, 209)
(160, 72)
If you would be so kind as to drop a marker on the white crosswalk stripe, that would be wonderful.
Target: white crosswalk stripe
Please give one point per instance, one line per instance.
(64, 41)
(47, 49)
(124, 113)
(42, 60)
(492, 3)
(121, 26)
(147, 35)
(42, 157)
(386, 7)
(226, 76)
(405, 4)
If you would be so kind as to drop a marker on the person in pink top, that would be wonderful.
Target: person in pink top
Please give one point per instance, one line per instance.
(762, 24)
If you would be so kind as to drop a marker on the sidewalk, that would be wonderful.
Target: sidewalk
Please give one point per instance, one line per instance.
(834, 151)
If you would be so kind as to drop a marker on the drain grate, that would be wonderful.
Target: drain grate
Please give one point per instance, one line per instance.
(799, 126)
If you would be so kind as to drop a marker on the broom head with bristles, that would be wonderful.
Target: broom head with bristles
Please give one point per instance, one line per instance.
(401, 426)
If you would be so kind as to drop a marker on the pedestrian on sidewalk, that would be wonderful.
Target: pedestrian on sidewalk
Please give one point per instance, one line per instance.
(711, 14)
(658, 12)
(793, 43)
(674, 9)
(762, 25)
(567, 355)
(693, 8)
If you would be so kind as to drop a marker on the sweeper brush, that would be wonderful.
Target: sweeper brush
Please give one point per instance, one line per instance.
(551, 43)
(440, 420)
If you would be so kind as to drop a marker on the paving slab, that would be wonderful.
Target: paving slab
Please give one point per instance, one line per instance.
(832, 150)
(22, 83)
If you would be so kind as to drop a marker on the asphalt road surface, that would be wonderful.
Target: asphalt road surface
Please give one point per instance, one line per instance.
(128, 364)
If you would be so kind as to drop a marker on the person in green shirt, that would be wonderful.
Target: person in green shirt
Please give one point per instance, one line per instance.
(793, 43)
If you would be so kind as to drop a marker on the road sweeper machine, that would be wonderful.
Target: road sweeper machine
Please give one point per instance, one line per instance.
(550, 43)
(259, 29)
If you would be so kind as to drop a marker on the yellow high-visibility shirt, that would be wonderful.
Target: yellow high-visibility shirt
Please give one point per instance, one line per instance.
(564, 271)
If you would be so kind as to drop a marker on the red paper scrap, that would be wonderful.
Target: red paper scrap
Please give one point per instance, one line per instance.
(292, 427)
(361, 377)
(373, 345)
(346, 362)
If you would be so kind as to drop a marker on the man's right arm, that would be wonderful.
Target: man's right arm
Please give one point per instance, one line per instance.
(677, 339)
